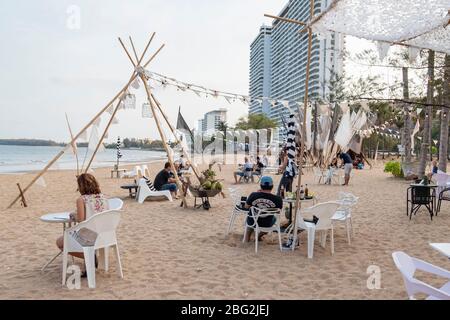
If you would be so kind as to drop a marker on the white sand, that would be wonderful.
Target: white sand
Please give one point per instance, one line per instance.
(169, 252)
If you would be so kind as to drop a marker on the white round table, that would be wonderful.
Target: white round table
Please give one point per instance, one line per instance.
(61, 217)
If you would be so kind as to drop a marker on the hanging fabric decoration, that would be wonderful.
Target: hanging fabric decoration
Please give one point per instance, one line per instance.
(435, 142)
(324, 109)
(273, 103)
(84, 135)
(97, 122)
(115, 121)
(41, 182)
(308, 140)
(413, 52)
(291, 168)
(344, 107)
(418, 110)
(415, 131)
(228, 99)
(129, 101)
(136, 84)
(438, 112)
(110, 109)
(94, 140)
(365, 105)
(146, 110)
(383, 49)
(106, 135)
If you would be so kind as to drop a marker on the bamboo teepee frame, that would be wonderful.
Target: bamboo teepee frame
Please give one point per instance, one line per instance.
(137, 73)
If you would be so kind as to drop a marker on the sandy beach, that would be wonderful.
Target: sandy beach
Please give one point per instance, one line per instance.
(173, 253)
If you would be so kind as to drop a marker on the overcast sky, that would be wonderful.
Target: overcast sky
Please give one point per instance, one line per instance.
(50, 67)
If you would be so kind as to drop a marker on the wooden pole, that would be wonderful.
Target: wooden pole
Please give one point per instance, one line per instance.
(286, 19)
(24, 202)
(61, 153)
(158, 125)
(134, 50)
(74, 146)
(163, 138)
(103, 136)
(172, 129)
(302, 146)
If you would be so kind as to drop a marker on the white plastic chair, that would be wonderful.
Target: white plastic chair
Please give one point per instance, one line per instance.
(408, 266)
(323, 211)
(344, 212)
(115, 204)
(236, 211)
(144, 192)
(105, 225)
(135, 173)
(318, 174)
(441, 180)
(256, 214)
(144, 170)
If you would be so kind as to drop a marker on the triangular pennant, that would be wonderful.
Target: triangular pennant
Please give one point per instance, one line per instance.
(97, 122)
(418, 110)
(110, 109)
(413, 52)
(229, 99)
(41, 182)
(136, 84)
(383, 49)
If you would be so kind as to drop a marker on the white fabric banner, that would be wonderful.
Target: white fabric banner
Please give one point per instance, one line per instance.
(344, 133)
(415, 131)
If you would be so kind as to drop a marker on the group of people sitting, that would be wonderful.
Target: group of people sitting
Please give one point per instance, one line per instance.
(250, 169)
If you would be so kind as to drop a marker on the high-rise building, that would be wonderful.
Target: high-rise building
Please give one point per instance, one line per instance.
(211, 121)
(288, 58)
(260, 70)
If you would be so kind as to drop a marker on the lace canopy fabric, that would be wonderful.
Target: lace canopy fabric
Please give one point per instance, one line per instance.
(421, 23)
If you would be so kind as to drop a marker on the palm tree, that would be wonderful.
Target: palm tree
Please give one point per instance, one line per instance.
(425, 146)
(443, 141)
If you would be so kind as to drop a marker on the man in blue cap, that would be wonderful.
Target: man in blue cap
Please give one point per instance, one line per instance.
(263, 199)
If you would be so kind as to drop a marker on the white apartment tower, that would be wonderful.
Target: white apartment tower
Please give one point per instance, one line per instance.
(288, 57)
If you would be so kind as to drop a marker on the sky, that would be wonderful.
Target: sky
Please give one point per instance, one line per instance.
(53, 63)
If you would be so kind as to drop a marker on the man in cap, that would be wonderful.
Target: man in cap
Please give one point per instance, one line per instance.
(263, 199)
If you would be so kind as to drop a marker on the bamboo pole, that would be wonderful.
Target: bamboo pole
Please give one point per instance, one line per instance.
(302, 147)
(24, 201)
(286, 19)
(185, 153)
(134, 50)
(61, 153)
(158, 125)
(163, 138)
(103, 136)
(139, 60)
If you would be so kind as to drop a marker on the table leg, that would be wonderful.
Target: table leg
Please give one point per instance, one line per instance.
(53, 259)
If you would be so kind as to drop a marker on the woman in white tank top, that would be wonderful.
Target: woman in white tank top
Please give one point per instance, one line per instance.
(91, 202)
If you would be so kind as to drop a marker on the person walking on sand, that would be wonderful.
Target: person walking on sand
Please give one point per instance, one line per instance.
(348, 166)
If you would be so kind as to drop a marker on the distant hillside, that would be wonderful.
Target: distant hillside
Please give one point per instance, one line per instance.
(30, 142)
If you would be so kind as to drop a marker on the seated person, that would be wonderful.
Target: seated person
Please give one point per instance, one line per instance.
(164, 181)
(434, 169)
(248, 166)
(91, 202)
(263, 199)
(258, 166)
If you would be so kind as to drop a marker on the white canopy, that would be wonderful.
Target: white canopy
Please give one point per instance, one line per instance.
(419, 23)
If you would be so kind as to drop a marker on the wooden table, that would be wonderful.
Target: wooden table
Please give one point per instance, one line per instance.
(443, 248)
(132, 189)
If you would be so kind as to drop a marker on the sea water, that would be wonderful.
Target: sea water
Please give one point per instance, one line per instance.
(16, 159)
